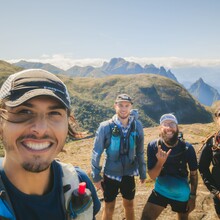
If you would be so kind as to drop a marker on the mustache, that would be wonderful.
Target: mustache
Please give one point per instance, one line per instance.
(32, 136)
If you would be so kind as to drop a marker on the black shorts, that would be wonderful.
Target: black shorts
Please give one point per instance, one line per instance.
(158, 199)
(112, 187)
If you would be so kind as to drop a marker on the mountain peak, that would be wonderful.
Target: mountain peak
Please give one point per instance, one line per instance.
(203, 92)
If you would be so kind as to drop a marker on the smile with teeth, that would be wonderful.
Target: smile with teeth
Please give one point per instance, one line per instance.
(36, 145)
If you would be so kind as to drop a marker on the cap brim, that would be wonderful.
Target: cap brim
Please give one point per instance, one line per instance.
(34, 93)
(123, 101)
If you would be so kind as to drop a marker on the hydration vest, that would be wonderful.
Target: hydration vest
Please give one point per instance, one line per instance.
(117, 145)
(213, 141)
(176, 164)
(70, 181)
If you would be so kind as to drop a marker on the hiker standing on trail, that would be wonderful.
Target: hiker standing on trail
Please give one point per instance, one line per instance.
(35, 121)
(122, 140)
(167, 160)
(210, 155)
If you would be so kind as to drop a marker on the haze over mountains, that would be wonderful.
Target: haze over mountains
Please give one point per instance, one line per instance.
(120, 66)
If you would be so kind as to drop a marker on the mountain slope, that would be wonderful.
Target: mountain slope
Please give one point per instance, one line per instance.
(6, 69)
(93, 98)
(203, 92)
(153, 96)
(36, 65)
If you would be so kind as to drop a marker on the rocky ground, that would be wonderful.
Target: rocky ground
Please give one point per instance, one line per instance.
(79, 153)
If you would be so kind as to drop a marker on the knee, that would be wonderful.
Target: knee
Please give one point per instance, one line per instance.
(128, 204)
(109, 207)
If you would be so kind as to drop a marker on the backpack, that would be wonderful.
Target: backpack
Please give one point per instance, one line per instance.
(213, 141)
(70, 179)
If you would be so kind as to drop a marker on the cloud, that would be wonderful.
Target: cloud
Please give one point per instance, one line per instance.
(175, 62)
(65, 61)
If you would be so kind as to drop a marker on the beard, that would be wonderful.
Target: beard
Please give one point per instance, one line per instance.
(36, 165)
(170, 140)
(123, 116)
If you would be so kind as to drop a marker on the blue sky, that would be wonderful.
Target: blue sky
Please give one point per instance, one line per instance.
(85, 32)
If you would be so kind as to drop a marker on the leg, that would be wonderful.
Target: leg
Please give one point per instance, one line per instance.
(127, 189)
(151, 211)
(108, 210)
(183, 216)
(129, 209)
(110, 187)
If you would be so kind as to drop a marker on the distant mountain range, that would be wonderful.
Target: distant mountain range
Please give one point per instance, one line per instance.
(92, 98)
(119, 66)
(114, 67)
(204, 92)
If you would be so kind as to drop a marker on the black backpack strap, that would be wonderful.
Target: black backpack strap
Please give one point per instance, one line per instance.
(183, 146)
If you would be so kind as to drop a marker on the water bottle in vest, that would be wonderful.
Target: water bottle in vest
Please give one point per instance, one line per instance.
(81, 202)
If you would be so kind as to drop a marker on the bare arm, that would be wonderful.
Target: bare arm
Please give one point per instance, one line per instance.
(193, 182)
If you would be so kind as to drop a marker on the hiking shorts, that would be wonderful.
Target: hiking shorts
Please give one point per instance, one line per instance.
(158, 199)
(112, 187)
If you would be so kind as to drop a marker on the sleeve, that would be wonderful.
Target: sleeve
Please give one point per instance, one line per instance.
(151, 155)
(97, 151)
(140, 152)
(204, 168)
(84, 178)
(192, 159)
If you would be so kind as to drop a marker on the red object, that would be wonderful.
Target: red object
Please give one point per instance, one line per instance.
(82, 188)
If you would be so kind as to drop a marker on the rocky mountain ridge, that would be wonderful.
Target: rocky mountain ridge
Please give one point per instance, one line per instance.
(204, 93)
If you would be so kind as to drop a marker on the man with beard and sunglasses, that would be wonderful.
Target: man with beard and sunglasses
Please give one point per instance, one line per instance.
(168, 160)
(122, 140)
(35, 121)
(209, 160)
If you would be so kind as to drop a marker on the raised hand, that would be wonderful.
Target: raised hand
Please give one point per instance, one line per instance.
(162, 155)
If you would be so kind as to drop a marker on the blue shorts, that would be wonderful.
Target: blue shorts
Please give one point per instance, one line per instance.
(158, 199)
(112, 187)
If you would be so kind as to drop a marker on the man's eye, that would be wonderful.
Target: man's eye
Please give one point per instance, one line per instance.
(25, 112)
(54, 113)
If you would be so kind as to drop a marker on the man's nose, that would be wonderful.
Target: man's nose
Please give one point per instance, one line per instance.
(40, 124)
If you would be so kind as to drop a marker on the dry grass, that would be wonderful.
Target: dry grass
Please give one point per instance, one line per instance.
(79, 154)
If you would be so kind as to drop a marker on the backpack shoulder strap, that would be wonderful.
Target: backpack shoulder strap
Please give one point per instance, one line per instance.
(112, 128)
(184, 146)
(70, 180)
(208, 140)
(6, 210)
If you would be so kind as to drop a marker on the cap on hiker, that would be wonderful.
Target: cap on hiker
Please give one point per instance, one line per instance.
(123, 98)
(27, 84)
(169, 117)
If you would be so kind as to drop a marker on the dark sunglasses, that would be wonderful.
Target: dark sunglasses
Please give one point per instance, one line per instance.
(217, 114)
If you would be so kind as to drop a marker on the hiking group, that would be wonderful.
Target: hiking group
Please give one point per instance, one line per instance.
(35, 121)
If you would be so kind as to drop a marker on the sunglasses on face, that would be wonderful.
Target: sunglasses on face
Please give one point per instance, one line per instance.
(217, 115)
(171, 124)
